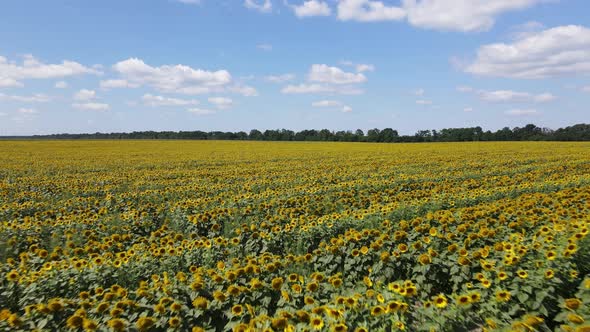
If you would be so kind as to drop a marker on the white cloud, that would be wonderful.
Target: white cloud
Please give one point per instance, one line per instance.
(312, 8)
(7, 82)
(464, 88)
(326, 103)
(201, 111)
(61, 85)
(92, 106)
(368, 11)
(178, 78)
(334, 75)
(527, 29)
(346, 109)
(244, 90)
(115, 84)
(423, 102)
(521, 112)
(586, 88)
(190, 2)
(364, 67)
(500, 96)
(264, 47)
(321, 89)
(27, 111)
(460, 15)
(158, 101)
(468, 109)
(221, 102)
(32, 68)
(3, 114)
(280, 78)
(36, 98)
(559, 51)
(419, 92)
(85, 94)
(263, 6)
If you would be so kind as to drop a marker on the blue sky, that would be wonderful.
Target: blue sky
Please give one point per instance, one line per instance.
(86, 66)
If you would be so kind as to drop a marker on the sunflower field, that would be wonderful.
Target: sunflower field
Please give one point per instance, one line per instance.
(285, 236)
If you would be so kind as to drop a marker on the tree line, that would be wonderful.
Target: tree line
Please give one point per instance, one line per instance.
(530, 132)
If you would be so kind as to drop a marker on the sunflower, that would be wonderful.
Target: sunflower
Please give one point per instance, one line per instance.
(313, 286)
(175, 306)
(503, 296)
(522, 274)
(440, 301)
(377, 310)
(463, 300)
(532, 320)
(502, 275)
(237, 310)
(279, 323)
(219, 296)
(475, 297)
(576, 319)
(277, 283)
(55, 305)
(549, 274)
(117, 324)
(90, 325)
(12, 276)
(340, 327)
(316, 323)
(145, 323)
(14, 321)
(174, 322)
(424, 259)
(308, 300)
(573, 303)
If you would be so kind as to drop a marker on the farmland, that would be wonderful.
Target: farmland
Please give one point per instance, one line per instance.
(220, 235)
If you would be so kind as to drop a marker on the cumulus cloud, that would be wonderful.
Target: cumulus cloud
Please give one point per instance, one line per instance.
(27, 111)
(321, 89)
(61, 85)
(280, 78)
(326, 103)
(85, 94)
(7, 82)
(346, 109)
(521, 112)
(324, 79)
(36, 98)
(468, 109)
(499, 96)
(312, 8)
(158, 101)
(263, 6)
(423, 102)
(418, 92)
(201, 111)
(460, 15)
(558, 51)
(334, 75)
(221, 102)
(368, 11)
(117, 84)
(586, 88)
(176, 79)
(31, 68)
(91, 106)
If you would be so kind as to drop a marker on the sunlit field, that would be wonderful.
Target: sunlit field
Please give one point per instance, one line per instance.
(219, 235)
